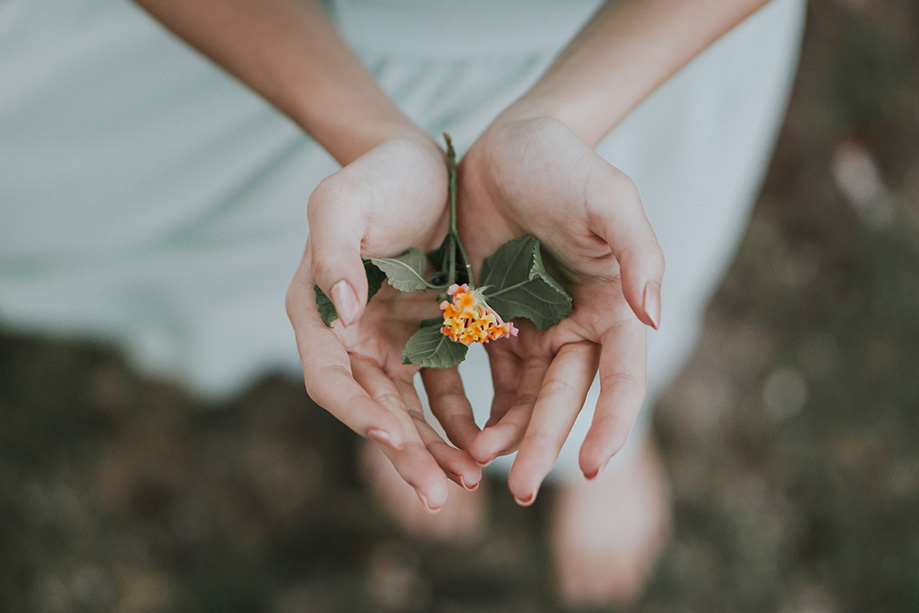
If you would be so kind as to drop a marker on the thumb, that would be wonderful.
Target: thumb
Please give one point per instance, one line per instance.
(337, 225)
(618, 217)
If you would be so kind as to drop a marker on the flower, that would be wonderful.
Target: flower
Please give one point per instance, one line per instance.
(468, 319)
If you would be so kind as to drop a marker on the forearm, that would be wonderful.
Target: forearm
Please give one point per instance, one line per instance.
(627, 50)
(291, 54)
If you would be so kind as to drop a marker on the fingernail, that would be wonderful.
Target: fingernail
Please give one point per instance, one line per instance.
(382, 436)
(345, 301)
(427, 505)
(593, 475)
(525, 502)
(487, 462)
(466, 486)
(652, 303)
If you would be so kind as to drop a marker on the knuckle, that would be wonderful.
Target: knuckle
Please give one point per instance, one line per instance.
(390, 399)
(648, 250)
(557, 387)
(313, 378)
(625, 384)
(525, 400)
(417, 416)
(448, 392)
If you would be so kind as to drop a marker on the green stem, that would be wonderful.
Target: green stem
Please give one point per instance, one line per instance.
(451, 165)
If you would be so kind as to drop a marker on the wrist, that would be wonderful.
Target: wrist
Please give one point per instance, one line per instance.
(349, 129)
(582, 116)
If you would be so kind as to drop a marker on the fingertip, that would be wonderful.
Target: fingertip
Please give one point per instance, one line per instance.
(523, 488)
(486, 446)
(642, 270)
(593, 459)
(469, 482)
(651, 304)
(384, 438)
(524, 493)
(526, 501)
(346, 302)
(434, 497)
(432, 508)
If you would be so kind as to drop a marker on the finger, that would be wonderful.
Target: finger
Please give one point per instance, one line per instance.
(327, 369)
(615, 213)
(449, 404)
(560, 400)
(337, 226)
(623, 382)
(505, 378)
(413, 461)
(503, 437)
(456, 464)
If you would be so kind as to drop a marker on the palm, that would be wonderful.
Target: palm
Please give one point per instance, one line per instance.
(390, 319)
(536, 177)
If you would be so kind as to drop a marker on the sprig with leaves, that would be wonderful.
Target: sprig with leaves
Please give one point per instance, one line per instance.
(514, 283)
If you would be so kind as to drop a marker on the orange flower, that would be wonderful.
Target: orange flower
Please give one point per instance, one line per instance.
(468, 319)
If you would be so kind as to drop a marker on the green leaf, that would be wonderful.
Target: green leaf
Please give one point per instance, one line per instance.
(405, 272)
(519, 285)
(327, 312)
(430, 348)
(324, 305)
(440, 259)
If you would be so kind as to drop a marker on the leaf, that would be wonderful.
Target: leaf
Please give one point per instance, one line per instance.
(440, 259)
(430, 348)
(405, 272)
(324, 305)
(519, 285)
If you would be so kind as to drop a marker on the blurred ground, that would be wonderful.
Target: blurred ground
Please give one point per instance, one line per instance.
(792, 436)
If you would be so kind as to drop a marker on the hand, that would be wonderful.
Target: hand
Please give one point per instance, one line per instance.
(391, 198)
(532, 174)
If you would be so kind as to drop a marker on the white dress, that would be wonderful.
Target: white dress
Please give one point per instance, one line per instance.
(149, 200)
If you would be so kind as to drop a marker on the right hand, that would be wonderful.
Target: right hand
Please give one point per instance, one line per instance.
(531, 174)
(391, 198)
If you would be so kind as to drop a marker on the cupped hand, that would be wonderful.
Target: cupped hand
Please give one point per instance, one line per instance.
(533, 175)
(392, 198)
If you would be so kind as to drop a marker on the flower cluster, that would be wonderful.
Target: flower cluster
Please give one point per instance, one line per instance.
(468, 319)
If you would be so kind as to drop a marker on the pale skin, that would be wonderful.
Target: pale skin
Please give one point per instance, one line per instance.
(533, 170)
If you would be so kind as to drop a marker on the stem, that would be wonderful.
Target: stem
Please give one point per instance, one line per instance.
(451, 258)
(451, 165)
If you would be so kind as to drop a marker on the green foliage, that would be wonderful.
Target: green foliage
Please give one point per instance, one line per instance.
(440, 259)
(429, 348)
(518, 285)
(405, 272)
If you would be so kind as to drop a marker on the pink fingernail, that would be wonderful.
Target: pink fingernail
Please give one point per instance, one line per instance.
(382, 437)
(427, 505)
(651, 303)
(487, 462)
(599, 470)
(525, 502)
(466, 486)
(345, 301)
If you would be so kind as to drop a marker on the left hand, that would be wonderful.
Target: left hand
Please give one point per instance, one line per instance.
(533, 175)
(389, 199)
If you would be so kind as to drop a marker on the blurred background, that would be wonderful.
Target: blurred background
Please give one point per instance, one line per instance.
(792, 437)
